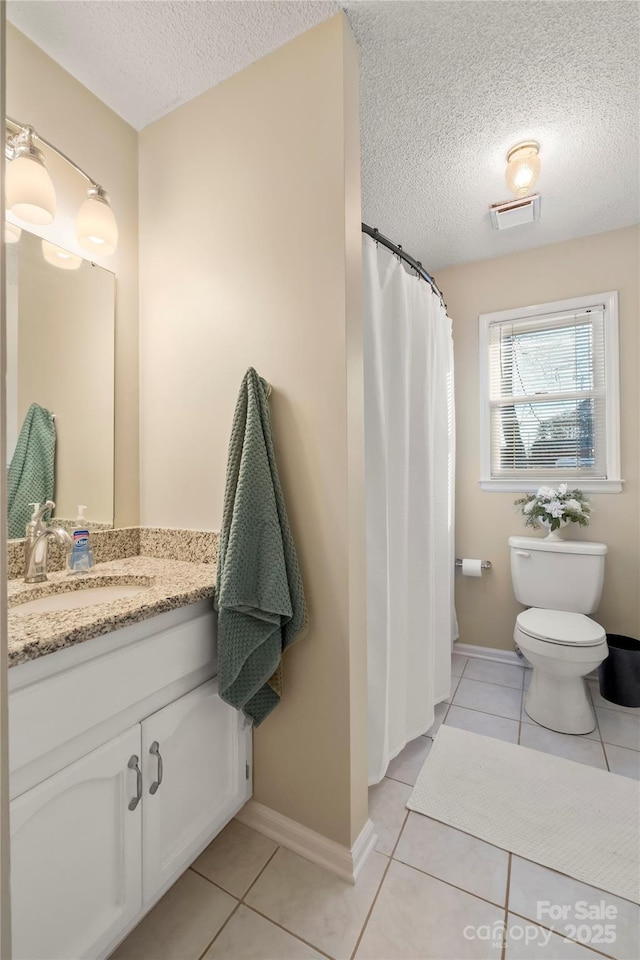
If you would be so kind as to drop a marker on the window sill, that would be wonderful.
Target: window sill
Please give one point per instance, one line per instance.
(530, 486)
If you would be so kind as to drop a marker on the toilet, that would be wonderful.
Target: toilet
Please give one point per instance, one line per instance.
(560, 581)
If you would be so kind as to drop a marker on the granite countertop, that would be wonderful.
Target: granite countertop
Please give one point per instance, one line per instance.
(165, 584)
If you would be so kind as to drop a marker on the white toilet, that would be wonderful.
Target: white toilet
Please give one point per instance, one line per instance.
(560, 581)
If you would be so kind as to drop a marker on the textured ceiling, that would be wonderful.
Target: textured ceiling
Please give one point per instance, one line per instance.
(146, 57)
(447, 87)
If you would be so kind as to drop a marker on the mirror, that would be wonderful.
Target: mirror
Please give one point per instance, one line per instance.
(60, 356)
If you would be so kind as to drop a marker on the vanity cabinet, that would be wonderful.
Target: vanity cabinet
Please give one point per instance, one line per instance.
(75, 856)
(102, 836)
(194, 778)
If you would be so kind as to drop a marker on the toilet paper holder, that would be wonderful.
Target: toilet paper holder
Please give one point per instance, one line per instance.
(485, 564)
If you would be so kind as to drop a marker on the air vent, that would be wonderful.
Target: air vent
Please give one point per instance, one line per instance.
(515, 212)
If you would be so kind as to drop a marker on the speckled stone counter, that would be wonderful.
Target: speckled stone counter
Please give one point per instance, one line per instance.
(196, 546)
(165, 584)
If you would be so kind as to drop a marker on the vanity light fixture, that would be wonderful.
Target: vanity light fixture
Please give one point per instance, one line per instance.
(523, 168)
(30, 194)
(96, 224)
(60, 258)
(11, 232)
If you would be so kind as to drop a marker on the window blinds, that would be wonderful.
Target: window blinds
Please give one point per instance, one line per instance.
(547, 396)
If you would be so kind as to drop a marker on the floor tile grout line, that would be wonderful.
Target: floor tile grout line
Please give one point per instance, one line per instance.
(506, 909)
(425, 873)
(568, 876)
(296, 936)
(620, 713)
(240, 900)
(213, 883)
(561, 933)
(452, 693)
(463, 706)
(494, 683)
(218, 932)
(377, 893)
(259, 874)
(242, 903)
(593, 707)
(395, 779)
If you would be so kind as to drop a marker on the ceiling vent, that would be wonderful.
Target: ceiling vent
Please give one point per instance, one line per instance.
(514, 212)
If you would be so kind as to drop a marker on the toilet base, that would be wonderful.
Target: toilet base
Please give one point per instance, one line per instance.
(559, 703)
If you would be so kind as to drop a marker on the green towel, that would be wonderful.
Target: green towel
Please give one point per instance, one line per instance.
(259, 592)
(31, 474)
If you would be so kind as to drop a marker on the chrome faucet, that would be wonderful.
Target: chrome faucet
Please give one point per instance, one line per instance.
(36, 548)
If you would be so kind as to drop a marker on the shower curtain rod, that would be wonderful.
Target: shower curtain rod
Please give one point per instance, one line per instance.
(399, 252)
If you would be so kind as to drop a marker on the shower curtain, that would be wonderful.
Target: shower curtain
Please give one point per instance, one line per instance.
(409, 460)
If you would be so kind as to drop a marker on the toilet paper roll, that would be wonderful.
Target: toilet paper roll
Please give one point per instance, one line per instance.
(471, 568)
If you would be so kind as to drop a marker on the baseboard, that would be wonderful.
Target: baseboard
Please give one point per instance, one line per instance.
(488, 653)
(343, 862)
(500, 656)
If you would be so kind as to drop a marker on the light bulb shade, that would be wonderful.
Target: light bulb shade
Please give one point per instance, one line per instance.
(29, 190)
(523, 168)
(11, 232)
(96, 225)
(58, 257)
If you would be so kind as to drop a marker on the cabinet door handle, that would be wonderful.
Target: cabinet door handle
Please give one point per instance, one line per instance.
(134, 765)
(154, 750)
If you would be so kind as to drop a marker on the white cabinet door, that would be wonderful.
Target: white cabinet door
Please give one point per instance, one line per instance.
(195, 779)
(76, 855)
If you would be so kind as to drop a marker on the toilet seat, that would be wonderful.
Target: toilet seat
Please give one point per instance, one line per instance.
(561, 627)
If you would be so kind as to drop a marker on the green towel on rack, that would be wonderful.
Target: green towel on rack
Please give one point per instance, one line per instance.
(259, 592)
(31, 473)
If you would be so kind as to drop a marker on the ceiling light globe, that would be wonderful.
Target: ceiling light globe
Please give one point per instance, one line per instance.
(96, 225)
(11, 232)
(29, 191)
(523, 168)
(58, 257)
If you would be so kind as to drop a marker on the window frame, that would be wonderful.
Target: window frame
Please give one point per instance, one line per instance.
(613, 481)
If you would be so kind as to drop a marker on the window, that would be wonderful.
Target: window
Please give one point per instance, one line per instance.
(550, 396)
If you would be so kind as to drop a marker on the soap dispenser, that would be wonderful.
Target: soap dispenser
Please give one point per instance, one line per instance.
(81, 557)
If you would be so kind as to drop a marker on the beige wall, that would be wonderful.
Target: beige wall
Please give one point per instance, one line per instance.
(41, 93)
(248, 259)
(607, 261)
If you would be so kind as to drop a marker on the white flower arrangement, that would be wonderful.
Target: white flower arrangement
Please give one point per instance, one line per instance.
(553, 508)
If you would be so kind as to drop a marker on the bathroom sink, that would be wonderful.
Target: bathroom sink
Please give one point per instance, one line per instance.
(78, 599)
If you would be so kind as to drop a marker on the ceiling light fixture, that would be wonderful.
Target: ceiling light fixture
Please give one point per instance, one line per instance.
(58, 257)
(30, 194)
(523, 168)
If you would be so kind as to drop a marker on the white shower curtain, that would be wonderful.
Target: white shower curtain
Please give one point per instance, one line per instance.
(409, 457)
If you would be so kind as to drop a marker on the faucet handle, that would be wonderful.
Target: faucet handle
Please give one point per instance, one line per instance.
(38, 513)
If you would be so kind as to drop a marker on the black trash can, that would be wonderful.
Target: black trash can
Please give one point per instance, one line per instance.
(620, 673)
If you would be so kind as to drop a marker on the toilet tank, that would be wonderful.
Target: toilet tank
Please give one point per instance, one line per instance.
(557, 574)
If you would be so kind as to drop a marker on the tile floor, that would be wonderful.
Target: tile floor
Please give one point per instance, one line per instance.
(428, 892)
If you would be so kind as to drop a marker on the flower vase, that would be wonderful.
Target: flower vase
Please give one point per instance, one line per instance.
(554, 534)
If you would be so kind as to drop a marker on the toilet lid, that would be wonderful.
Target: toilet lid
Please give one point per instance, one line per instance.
(559, 626)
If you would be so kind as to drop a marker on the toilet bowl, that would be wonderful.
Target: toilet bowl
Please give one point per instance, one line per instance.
(562, 647)
(560, 581)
